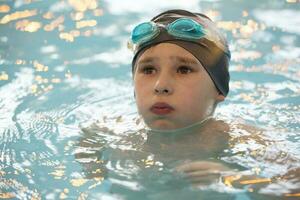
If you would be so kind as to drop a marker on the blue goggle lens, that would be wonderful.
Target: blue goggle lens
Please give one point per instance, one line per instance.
(144, 32)
(186, 28)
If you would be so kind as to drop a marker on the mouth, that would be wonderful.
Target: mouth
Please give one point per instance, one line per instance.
(161, 108)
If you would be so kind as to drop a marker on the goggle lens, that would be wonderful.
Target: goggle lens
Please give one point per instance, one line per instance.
(144, 32)
(186, 28)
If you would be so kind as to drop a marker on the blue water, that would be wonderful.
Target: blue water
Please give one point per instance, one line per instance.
(69, 127)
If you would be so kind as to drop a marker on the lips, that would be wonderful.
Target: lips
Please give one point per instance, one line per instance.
(161, 108)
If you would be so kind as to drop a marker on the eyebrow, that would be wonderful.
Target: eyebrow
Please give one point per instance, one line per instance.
(185, 60)
(148, 60)
(180, 59)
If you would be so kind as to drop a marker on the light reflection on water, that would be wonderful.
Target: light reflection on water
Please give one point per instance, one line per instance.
(64, 66)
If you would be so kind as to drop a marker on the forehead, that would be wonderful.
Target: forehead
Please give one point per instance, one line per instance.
(167, 51)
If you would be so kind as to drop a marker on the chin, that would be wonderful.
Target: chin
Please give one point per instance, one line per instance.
(162, 125)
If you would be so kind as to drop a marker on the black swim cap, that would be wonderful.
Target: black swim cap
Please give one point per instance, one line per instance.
(212, 50)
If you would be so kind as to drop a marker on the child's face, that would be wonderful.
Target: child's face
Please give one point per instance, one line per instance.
(168, 73)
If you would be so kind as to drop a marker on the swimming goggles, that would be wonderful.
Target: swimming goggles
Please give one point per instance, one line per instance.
(183, 28)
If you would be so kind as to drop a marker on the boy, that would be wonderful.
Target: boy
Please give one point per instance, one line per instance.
(180, 74)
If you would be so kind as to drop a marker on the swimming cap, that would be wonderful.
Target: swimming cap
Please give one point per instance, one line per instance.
(211, 50)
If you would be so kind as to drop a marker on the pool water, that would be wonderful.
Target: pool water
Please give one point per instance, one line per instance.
(69, 127)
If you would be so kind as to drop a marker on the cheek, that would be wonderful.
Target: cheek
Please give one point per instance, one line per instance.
(191, 99)
(139, 89)
(197, 95)
(141, 92)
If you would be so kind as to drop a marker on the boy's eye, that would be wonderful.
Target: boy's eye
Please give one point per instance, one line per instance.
(148, 70)
(184, 70)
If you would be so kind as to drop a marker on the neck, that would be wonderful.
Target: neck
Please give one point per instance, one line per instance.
(188, 129)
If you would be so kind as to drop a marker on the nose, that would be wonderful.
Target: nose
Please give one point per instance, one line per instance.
(164, 84)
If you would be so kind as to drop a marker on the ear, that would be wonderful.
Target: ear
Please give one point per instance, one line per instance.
(220, 97)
